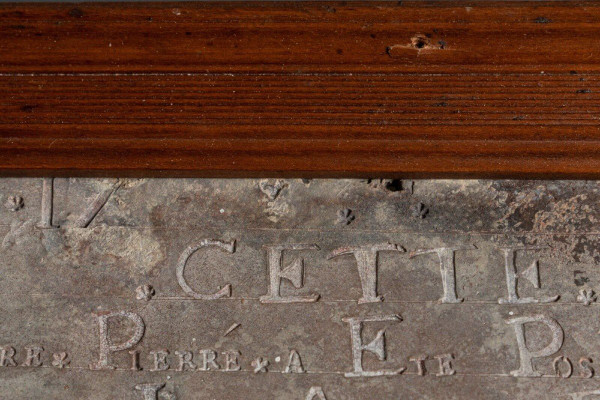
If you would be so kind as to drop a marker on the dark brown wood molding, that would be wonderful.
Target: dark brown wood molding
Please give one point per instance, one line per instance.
(365, 89)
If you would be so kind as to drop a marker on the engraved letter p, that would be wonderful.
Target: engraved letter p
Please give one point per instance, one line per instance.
(526, 355)
(106, 344)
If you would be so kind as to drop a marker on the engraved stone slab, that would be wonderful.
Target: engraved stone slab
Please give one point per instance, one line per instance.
(299, 289)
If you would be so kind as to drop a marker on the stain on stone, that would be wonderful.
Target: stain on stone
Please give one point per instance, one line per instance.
(579, 278)
(76, 13)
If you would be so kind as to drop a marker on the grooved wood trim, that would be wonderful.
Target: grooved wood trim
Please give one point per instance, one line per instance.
(306, 89)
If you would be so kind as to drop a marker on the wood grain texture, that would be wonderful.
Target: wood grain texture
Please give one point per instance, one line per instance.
(311, 89)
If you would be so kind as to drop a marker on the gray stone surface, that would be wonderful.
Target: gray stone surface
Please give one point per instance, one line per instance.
(291, 289)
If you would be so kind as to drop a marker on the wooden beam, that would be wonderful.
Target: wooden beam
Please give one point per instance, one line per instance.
(386, 89)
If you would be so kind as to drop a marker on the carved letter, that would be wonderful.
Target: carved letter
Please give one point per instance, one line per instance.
(377, 346)
(557, 370)
(225, 291)
(583, 395)
(315, 392)
(366, 260)
(448, 270)
(232, 362)
(420, 361)
(208, 360)
(587, 371)
(512, 278)
(445, 365)
(33, 355)
(526, 355)
(160, 360)
(185, 358)
(7, 355)
(106, 345)
(293, 273)
(135, 360)
(294, 364)
(47, 204)
(85, 219)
